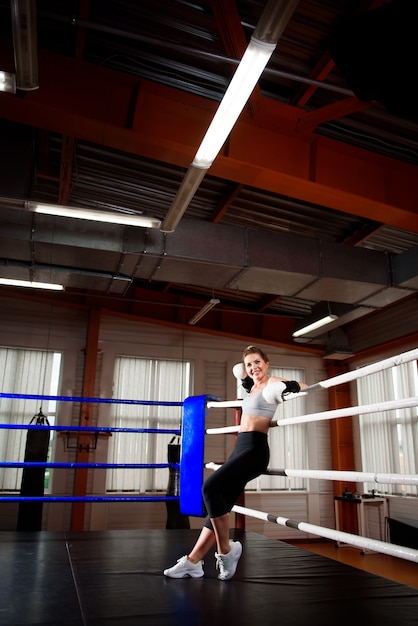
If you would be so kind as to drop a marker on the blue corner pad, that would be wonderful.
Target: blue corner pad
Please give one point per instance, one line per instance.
(192, 455)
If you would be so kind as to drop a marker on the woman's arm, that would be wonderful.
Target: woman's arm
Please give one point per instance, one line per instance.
(292, 386)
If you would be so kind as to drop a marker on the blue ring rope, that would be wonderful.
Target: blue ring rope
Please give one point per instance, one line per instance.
(87, 429)
(53, 465)
(88, 498)
(29, 396)
(196, 413)
(57, 465)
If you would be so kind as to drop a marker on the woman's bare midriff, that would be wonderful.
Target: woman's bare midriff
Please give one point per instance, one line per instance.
(254, 423)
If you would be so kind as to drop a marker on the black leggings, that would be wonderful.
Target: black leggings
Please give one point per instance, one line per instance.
(248, 460)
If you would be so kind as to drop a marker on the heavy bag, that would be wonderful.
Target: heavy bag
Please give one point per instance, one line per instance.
(33, 478)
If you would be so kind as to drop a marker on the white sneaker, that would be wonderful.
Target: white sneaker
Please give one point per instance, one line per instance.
(227, 563)
(184, 568)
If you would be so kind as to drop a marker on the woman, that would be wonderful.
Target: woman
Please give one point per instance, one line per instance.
(249, 459)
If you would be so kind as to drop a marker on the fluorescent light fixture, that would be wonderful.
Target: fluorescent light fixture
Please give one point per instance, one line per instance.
(323, 321)
(208, 306)
(60, 210)
(125, 219)
(7, 82)
(240, 88)
(187, 190)
(11, 282)
(273, 21)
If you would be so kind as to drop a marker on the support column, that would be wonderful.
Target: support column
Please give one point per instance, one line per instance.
(86, 418)
(342, 445)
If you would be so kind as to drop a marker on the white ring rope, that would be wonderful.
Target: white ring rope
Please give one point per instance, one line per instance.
(365, 543)
(237, 404)
(327, 415)
(351, 410)
(228, 404)
(225, 430)
(349, 476)
(358, 541)
(405, 357)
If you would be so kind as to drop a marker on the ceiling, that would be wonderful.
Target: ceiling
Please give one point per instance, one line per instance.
(311, 203)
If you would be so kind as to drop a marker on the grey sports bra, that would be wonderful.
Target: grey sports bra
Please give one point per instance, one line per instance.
(257, 405)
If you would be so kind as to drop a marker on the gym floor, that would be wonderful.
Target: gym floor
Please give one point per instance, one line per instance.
(397, 569)
(115, 578)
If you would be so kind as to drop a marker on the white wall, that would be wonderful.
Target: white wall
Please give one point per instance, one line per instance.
(40, 326)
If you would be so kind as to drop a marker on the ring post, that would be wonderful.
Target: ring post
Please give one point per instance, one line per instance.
(192, 455)
(174, 518)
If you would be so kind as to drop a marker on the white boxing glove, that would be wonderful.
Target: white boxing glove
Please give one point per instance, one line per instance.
(272, 392)
(239, 371)
(240, 374)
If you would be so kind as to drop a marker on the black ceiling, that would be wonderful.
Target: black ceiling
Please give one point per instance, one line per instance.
(311, 202)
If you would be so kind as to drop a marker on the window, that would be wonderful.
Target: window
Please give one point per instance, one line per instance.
(288, 444)
(389, 439)
(34, 372)
(145, 379)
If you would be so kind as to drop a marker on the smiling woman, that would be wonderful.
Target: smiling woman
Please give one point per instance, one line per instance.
(248, 460)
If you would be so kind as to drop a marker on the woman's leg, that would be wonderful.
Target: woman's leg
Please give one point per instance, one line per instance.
(223, 487)
(205, 542)
(191, 565)
(220, 492)
(221, 532)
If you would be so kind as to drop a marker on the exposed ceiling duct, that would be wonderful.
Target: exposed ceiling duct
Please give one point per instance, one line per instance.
(221, 257)
(405, 269)
(337, 346)
(73, 277)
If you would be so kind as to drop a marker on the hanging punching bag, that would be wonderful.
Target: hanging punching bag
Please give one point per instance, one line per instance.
(33, 478)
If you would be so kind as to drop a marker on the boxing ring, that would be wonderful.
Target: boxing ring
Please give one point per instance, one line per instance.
(115, 577)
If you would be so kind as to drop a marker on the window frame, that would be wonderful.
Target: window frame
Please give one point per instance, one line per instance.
(149, 448)
(17, 378)
(389, 439)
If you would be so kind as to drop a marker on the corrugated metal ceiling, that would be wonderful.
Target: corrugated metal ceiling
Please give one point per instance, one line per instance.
(191, 47)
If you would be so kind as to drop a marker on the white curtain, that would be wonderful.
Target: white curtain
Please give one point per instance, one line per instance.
(288, 444)
(151, 380)
(389, 439)
(23, 372)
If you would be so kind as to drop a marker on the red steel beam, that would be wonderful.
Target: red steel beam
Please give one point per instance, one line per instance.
(264, 152)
